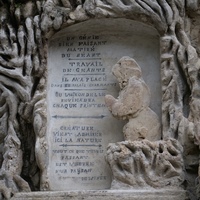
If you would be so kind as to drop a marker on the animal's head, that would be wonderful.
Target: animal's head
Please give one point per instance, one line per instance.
(126, 68)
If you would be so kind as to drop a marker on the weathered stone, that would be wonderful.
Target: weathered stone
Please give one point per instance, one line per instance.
(138, 164)
(80, 127)
(105, 195)
(133, 102)
(27, 26)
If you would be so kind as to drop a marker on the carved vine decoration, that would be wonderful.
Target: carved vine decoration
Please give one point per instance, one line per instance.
(25, 29)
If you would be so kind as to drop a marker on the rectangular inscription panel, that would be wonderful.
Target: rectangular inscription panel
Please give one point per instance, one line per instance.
(80, 127)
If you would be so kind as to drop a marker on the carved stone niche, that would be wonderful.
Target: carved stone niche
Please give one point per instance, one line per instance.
(27, 139)
(79, 125)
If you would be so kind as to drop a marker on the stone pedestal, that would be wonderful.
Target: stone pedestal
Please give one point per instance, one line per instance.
(105, 195)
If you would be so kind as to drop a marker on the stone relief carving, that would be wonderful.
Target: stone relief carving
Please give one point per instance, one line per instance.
(25, 29)
(139, 164)
(133, 102)
(133, 162)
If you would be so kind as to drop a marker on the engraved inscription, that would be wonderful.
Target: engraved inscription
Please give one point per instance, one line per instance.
(80, 126)
(79, 129)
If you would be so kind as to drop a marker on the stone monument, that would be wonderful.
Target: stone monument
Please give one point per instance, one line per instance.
(79, 76)
(69, 128)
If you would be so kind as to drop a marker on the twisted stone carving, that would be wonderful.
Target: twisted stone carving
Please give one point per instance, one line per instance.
(25, 29)
(21, 71)
(137, 164)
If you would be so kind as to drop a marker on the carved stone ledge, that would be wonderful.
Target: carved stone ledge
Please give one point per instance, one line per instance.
(105, 195)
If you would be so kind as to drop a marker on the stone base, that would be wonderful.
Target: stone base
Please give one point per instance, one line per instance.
(105, 195)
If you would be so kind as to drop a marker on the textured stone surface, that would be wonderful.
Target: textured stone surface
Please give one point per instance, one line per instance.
(140, 164)
(80, 127)
(105, 195)
(27, 26)
(133, 102)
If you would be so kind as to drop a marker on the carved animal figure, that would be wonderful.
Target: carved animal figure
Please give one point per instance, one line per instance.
(133, 102)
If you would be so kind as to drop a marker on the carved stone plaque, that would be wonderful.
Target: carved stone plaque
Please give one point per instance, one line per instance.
(80, 127)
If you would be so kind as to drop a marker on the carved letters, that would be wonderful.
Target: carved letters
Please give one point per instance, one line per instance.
(25, 30)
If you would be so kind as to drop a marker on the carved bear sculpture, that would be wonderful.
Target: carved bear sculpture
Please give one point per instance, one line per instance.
(133, 102)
